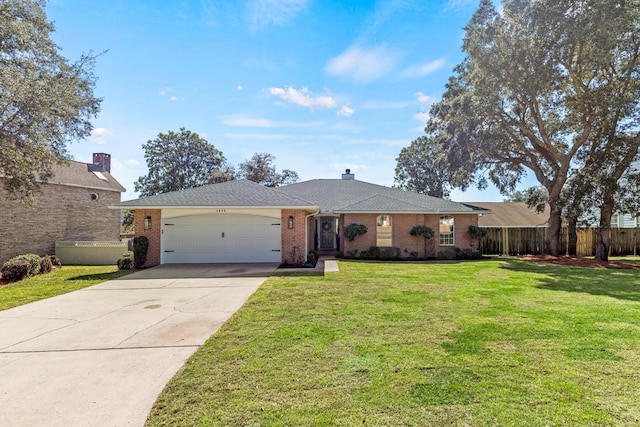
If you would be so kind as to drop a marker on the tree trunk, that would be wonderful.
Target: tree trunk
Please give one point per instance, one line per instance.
(555, 226)
(604, 233)
(572, 244)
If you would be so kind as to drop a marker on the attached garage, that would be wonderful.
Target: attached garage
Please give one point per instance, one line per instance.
(221, 238)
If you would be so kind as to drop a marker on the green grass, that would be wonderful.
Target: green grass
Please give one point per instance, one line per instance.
(488, 343)
(66, 279)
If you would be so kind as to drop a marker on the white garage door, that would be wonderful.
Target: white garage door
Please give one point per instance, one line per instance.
(221, 238)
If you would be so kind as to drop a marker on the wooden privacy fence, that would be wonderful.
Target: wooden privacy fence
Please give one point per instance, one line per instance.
(530, 241)
(90, 253)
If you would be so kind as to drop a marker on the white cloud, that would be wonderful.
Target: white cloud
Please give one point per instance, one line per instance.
(345, 111)
(341, 167)
(363, 65)
(422, 70)
(262, 13)
(303, 98)
(99, 136)
(163, 91)
(239, 87)
(176, 99)
(424, 99)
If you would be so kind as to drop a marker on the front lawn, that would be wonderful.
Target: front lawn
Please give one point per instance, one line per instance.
(65, 279)
(484, 343)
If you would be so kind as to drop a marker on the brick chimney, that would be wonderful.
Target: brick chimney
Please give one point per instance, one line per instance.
(102, 160)
(348, 175)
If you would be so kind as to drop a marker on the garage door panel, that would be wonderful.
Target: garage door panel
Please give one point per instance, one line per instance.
(199, 239)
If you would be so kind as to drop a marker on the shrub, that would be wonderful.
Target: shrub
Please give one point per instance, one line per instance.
(425, 232)
(468, 254)
(125, 262)
(352, 231)
(140, 248)
(383, 254)
(312, 257)
(32, 259)
(449, 253)
(15, 269)
(55, 261)
(45, 265)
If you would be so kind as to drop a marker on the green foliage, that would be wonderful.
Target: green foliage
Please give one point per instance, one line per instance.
(45, 265)
(446, 254)
(33, 260)
(126, 261)
(381, 254)
(547, 87)
(312, 257)
(419, 168)
(140, 248)
(422, 231)
(128, 217)
(260, 169)
(55, 261)
(181, 160)
(46, 102)
(476, 232)
(425, 232)
(352, 231)
(15, 269)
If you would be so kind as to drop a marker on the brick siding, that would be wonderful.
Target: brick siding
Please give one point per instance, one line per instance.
(61, 213)
(401, 237)
(153, 234)
(293, 240)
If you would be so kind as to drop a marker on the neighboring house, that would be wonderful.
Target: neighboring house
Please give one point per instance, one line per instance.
(72, 205)
(511, 215)
(241, 221)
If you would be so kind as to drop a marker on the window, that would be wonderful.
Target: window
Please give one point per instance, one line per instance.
(446, 231)
(383, 231)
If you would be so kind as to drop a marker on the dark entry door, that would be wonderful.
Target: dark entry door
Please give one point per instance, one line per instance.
(327, 232)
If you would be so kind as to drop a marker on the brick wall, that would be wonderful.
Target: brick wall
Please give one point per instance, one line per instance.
(293, 239)
(61, 213)
(153, 234)
(402, 239)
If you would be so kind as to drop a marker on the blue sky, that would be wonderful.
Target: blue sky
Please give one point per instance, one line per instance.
(322, 85)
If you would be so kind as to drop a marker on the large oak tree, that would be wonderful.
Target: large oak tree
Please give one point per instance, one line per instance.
(548, 87)
(46, 102)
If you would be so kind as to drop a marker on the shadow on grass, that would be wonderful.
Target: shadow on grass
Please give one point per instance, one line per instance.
(101, 276)
(615, 283)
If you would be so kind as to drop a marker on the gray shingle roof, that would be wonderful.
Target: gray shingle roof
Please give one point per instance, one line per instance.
(350, 195)
(330, 195)
(81, 174)
(237, 193)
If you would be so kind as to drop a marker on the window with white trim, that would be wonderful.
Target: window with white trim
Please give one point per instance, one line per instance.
(384, 231)
(446, 230)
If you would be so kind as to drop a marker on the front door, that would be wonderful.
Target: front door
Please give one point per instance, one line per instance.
(327, 232)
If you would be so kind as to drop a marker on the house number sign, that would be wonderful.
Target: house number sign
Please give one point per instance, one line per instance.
(221, 210)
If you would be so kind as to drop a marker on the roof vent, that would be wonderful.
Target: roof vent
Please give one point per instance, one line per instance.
(348, 175)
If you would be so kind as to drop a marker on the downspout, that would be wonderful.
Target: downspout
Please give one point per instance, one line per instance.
(306, 232)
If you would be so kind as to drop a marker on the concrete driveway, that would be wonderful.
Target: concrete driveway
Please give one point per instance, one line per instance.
(101, 355)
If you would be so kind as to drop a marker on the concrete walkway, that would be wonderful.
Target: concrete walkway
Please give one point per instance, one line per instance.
(101, 355)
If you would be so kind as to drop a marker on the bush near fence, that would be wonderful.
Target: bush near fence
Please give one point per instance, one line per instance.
(530, 241)
(90, 253)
